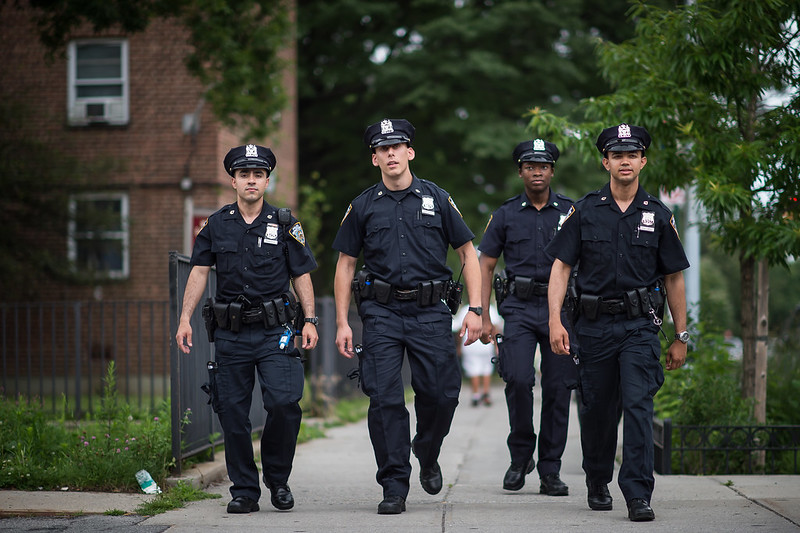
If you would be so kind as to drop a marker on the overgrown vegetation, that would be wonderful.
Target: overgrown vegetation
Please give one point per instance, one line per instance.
(104, 451)
(174, 498)
(707, 393)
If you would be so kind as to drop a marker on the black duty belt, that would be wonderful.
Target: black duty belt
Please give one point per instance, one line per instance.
(405, 294)
(365, 286)
(526, 288)
(612, 307)
(271, 313)
(634, 303)
(252, 316)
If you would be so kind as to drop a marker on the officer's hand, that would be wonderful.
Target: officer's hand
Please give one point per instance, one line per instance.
(472, 327)
(676, 355)
(310, 336)
(344, 341)
(487, 332)
(559, 338)
(184, 336)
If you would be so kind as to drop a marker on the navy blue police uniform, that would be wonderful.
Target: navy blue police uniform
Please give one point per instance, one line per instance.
(254, 264)
(404, 236)
(521, 232)
(623, 258)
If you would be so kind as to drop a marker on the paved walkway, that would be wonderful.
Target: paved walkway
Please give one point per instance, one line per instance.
(334, 486)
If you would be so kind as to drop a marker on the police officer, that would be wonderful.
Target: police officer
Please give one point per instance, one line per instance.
(404, 225)
(520, 229)
(630, 255)
(256, 255)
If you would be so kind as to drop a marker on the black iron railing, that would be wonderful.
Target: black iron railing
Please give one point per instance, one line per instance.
(57, 353)
(726, 449)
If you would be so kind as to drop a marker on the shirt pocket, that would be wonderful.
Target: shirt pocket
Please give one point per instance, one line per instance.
(226, 254)
(644, 251)
(266, 255)
(596, 240)
(376, 240)
(519, 235)
(433, 239)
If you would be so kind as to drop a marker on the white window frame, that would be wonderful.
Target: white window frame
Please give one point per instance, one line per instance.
(116, 109)
(122, 235)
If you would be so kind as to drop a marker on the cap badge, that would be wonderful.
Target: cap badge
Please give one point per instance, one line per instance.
(386, 126)
(251, 150)
(623, 131)
(538, 145)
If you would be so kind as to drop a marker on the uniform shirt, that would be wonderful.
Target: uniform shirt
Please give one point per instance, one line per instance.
(521, 232)
(251, 259)
(619, 251)
(404, 234)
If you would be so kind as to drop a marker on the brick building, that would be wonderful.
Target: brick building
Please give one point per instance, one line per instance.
(127, 103)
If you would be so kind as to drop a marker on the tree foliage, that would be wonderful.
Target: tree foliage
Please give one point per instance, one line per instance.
(463, 72)
(705, 79)
(235, 47)
(715, 82)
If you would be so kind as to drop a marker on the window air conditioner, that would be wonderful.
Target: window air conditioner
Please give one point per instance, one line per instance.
(110, 111)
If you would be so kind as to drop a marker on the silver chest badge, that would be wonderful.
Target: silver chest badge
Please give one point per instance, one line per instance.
(428, 205)
(271, 236)
(648, 222)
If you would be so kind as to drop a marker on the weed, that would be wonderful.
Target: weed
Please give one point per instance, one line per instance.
(174, 498)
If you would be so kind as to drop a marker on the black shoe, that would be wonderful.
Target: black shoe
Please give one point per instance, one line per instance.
(392, 505)
(280, 495)
(515, 475)
(431, 479)
(242, 504)
(552, 485)
(599, 498)
(640, 511)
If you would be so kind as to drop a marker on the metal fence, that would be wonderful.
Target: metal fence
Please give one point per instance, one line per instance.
(702, 450)
(57, 353)
(326, 370)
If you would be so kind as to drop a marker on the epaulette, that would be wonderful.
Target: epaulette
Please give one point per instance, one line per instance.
(589, 195)
(516, 198)
(564, 197)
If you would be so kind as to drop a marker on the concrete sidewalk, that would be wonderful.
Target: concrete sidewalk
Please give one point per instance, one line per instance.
(334, 486)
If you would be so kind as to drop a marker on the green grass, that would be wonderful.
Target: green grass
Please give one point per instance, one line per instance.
(174, 498)
(103, 450)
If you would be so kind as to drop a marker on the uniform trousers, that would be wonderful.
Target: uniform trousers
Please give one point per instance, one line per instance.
(619, 365)
(241, 356)
(526, 325)
(424, 333)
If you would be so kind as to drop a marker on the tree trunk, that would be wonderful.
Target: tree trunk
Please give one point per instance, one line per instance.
(748, 324)
(760, 390)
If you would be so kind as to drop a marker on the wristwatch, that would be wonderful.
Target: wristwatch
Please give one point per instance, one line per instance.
(477, 310)
(313, 320)
(683, 336)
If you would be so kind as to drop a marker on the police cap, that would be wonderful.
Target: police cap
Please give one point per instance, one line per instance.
(389, 131)
(249, 156)
(536, 150)
(623, 138)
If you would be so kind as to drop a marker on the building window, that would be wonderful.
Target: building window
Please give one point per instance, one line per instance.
(98, 82)
(98, 235)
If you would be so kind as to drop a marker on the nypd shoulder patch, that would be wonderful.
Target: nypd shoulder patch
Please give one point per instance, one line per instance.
(296, 231)
(452, 203)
